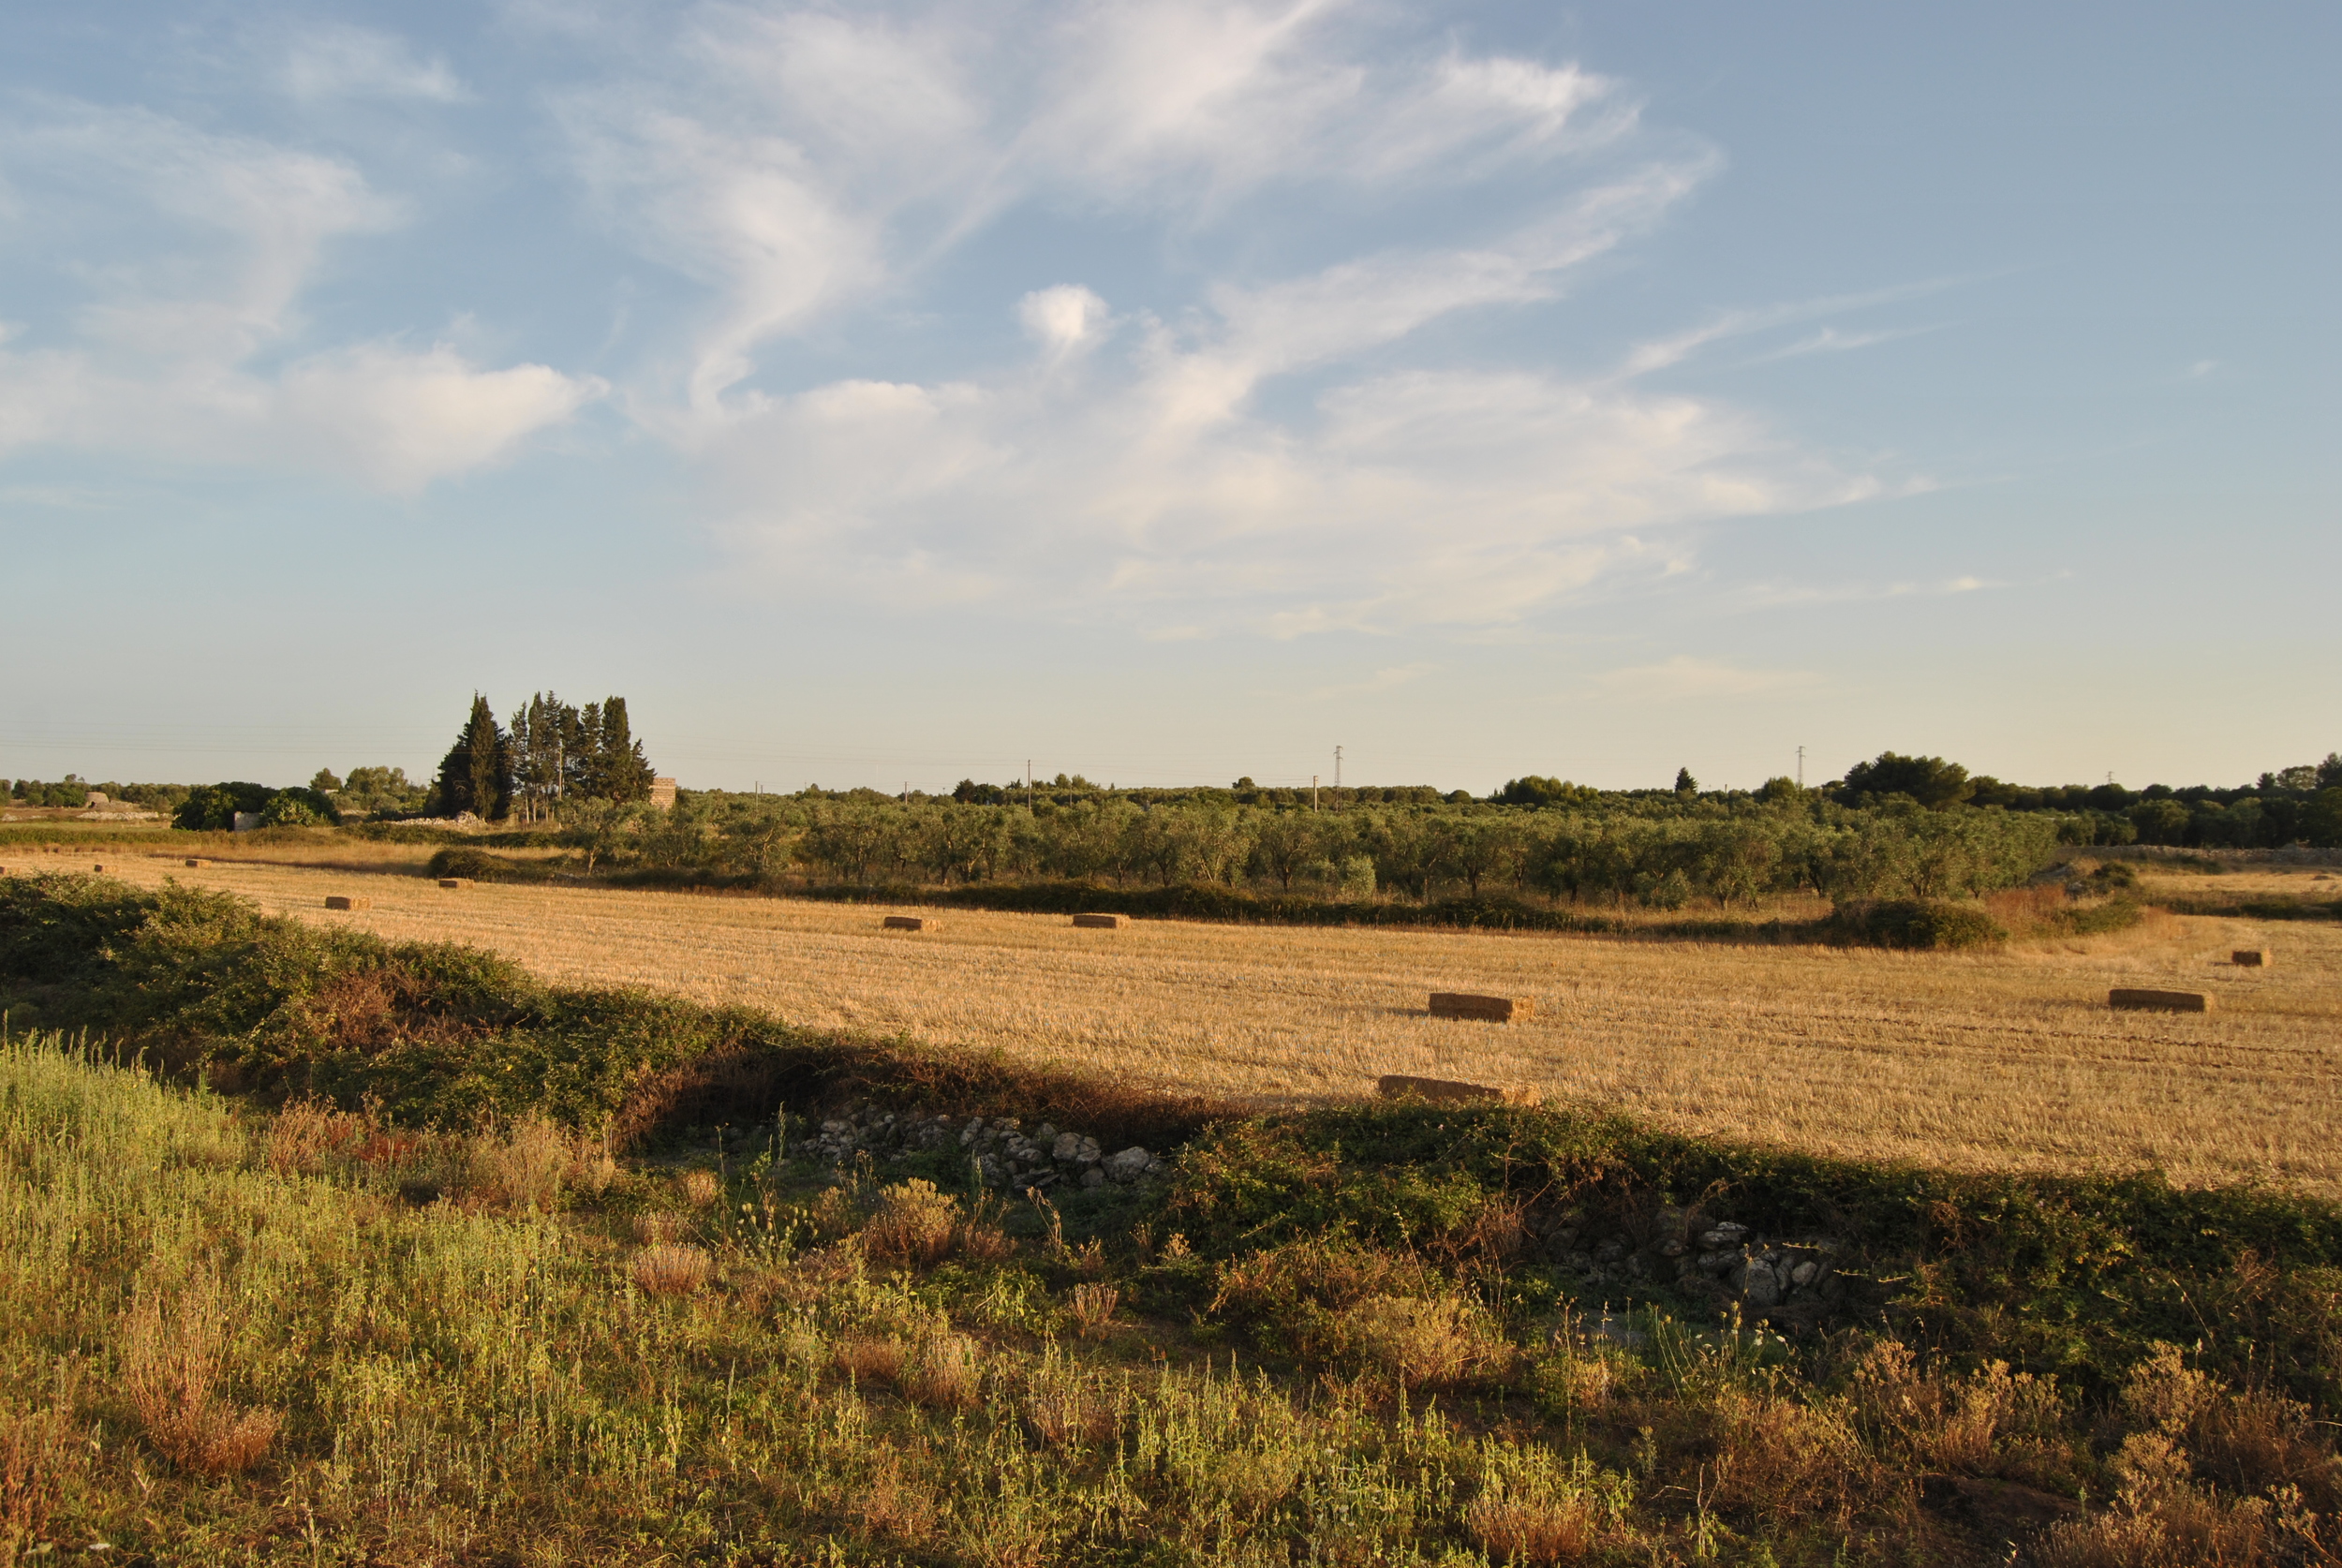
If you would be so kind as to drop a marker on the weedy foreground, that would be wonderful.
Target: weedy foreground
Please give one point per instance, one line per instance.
(464, 1272)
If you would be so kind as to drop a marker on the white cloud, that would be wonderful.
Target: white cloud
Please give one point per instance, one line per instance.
(802, 161)
(401, 418)
(359, 62)
(1063, 317)
(1143, 486)
(196, 249)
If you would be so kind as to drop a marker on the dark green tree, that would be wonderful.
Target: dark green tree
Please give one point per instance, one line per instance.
(213, 808)
(2321, 819)
(1930, 781)
(626, 772)
(476, 775)
(1685, 783)
(325, 781)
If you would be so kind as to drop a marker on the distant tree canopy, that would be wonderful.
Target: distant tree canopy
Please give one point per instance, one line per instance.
(1930, 781)
(73, 790)
(214, 808)
(1530, 789)
(382, 790)
(552, 753)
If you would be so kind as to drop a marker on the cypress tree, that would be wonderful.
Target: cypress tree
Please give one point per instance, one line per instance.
(476, 775)
(626, 772)
(582, 737)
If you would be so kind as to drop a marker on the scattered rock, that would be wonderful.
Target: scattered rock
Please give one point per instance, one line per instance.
(1000, 1152)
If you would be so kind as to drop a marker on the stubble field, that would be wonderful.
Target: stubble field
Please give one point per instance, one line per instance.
(2009, 1059)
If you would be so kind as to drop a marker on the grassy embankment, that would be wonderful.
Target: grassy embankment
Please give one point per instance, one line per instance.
(445, 1329)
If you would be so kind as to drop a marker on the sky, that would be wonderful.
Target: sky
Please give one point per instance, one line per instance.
(886, 395)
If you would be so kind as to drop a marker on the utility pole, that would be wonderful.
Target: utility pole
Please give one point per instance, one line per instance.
(1028, 783)
(1800, 767)
(1312, 792)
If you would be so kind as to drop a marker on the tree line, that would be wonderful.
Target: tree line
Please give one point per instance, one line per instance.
(1655, 854)
(551, 753)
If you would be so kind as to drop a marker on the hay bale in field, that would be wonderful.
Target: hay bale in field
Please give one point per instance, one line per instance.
(1493, 1009)
(2251, 958)
(346, 901)
(1397, 1086)
(99, 867)
(194, 861)
(458, 882)
(2158, 1002)
(908, 923)
(1101, 921)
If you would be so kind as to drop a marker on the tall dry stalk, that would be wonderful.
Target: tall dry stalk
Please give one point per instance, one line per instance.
(171, 1372)
(34, 1458)
(522, 1167)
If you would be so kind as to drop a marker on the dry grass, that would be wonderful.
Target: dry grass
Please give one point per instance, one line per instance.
(1092, 1308)
(670, 1268)
(172, 1369)
(523, 1166)
(915, 1224)
(2009, 1059)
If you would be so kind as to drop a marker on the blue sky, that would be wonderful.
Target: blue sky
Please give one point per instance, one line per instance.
(879, 395)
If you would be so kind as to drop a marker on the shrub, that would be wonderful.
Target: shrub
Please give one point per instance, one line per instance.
(523, 1166)
(1918, 923)
(1093, 1307)
(463, 860)
(36, 1452)
(213, 808)
(2120, 914)
(171, 1370)
(671, 1268)
(915, 1224)
(288, 809)
(1418, 1341)
(945, 1373)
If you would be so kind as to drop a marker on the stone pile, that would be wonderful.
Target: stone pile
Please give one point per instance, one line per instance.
(1703, 1256)
(1003, 1152)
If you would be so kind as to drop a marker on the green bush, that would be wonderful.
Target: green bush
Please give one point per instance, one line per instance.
(2096, 919)
(213, 808)
(462, 860)
(1915, 923)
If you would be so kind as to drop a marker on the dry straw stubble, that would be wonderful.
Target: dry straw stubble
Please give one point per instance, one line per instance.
(2007, 1058)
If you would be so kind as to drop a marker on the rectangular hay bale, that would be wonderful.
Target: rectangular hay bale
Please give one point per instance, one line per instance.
(346, 901)
(1100, 922)
(2158, 1002)
(907, 922)
(196, 861)
(1493, 1009)
(456, 882)
(1397, 1085)
(2251, 958)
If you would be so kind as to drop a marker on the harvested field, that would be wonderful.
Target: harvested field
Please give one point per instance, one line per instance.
(2009, 1059)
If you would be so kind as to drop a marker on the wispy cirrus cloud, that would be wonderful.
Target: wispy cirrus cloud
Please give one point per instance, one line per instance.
(1150, 462)
(347, 62)
(193, 250)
